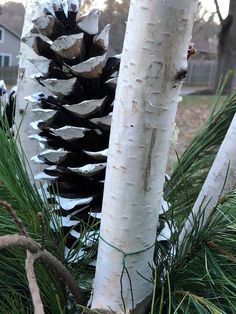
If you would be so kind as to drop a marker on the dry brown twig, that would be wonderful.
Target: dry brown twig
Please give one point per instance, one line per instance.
(16, 219)
(34, 252)
(29, 262)
(33, 285)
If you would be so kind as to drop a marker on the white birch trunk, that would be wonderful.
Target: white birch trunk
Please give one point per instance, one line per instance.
(28, 86)
(153, 61)
(220, 180)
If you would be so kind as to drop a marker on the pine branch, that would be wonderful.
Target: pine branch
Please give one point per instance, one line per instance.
(196, 298)
(42, 229)
(33, 285)
(19, 241)
(218, 12)
(221, 251)
(29, 262)
(16, 219)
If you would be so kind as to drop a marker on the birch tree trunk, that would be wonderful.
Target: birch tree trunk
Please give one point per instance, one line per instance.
(26, 85)
(220, 180)
(154, 63)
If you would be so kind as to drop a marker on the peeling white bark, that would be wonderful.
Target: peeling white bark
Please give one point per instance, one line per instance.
(153, 60)
(220, 180)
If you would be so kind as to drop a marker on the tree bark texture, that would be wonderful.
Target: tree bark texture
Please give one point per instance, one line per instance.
(227, 48)
(153, 66)
(220, 180)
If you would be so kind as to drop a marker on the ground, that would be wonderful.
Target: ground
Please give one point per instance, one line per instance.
(191, 114)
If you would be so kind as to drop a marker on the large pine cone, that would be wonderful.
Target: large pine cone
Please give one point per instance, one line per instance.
(73, 123)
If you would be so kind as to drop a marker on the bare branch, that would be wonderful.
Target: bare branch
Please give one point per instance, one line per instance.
(16, 219)
(33, 286)
(31, 257)
(218, 11)
(29, 262)
(18, 241)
